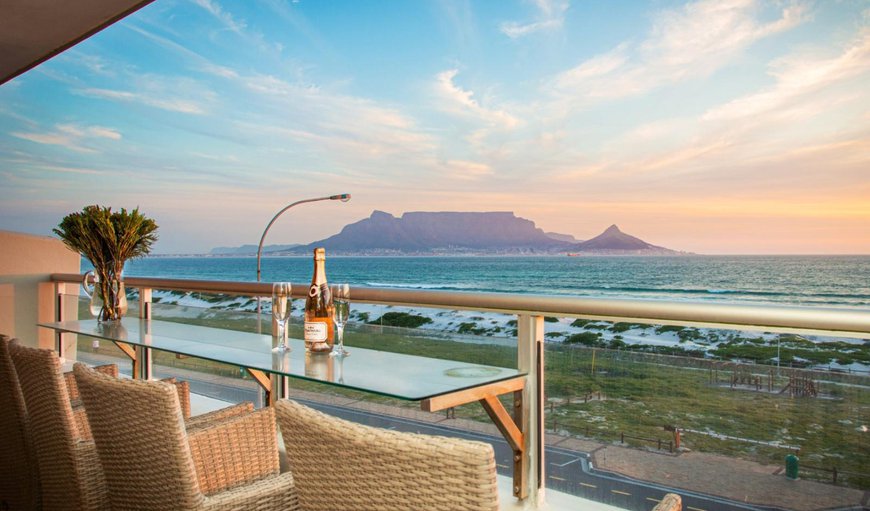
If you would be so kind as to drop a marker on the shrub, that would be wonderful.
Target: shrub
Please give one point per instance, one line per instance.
(470, 328)
(584, 338)
(401, 319)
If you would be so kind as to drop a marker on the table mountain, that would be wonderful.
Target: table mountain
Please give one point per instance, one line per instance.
(451, 233)
(417, 232)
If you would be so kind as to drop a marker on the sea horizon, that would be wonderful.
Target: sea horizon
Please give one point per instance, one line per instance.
(802, 280)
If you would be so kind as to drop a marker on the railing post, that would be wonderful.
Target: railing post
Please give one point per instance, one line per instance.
(60, 313)
(143, 354)
(530, 359)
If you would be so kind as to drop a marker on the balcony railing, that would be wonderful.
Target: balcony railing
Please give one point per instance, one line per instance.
(531, 311)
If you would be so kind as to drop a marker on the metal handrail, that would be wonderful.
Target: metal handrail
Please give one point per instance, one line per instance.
(813, 320)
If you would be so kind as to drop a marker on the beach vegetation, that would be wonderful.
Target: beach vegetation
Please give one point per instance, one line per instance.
(616, 343)
(622, 327)
(663, 329)
(470, 328)
(585, 338)
(401, 319)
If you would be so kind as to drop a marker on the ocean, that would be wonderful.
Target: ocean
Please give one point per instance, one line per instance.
(820, 281)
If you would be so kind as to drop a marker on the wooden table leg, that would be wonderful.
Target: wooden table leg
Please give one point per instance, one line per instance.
(511, 427)
(265, 381)
(514, 436)
(131, 354)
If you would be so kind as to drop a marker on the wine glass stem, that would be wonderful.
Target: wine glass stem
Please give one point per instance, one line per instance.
(341, 338)
(284, 333)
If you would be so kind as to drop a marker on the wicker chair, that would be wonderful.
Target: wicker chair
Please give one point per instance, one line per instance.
(340, 465)
(19, 474)
(19, 471)
(69, 470)
(152, 462)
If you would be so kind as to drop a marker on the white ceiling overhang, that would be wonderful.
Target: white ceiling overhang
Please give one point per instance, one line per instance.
(33, 31)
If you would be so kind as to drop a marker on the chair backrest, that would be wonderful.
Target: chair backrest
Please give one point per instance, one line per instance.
(338, 464)
(64, 477)
(19, 475)
(141, 440)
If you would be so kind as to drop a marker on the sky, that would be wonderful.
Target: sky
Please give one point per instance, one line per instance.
(716, 127)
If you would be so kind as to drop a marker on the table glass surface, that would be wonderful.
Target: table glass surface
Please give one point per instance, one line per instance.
(395, 375)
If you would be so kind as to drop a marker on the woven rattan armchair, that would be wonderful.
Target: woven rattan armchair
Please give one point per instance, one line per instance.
(69, 470)
(19, 471)
(343, 466)
(152, 462)
(19, 475)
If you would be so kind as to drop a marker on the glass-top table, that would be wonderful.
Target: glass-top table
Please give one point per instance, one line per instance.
(394, 375)
(437, 384)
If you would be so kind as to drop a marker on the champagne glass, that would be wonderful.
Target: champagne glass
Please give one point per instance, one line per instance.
(341, 311)
(281, 304)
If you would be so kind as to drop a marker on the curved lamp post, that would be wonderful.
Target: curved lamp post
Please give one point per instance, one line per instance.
(343, 197)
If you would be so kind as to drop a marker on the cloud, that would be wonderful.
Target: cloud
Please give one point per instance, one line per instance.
(340, 126)
(224, 17)
(70, 136)
(461, 102)
(685, 43)
(551, 16)
(468, 170)
(93, 63)
(185, 106)
(797, 76)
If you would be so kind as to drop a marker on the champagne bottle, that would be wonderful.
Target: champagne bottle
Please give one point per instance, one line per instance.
(319, 330)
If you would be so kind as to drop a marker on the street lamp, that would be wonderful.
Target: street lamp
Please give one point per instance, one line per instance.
(343, 197)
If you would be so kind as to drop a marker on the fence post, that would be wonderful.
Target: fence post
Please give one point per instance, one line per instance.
(622, 438)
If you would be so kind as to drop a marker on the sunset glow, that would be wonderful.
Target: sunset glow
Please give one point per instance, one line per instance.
(711, 126)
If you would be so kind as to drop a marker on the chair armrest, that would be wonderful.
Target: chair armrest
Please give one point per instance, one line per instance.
(235, 451)
(276, 492)
(73, 389)
(208, 418)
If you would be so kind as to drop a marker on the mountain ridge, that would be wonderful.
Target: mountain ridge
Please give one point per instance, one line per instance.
(459, 233)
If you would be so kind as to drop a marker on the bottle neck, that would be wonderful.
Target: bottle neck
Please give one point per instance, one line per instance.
(319, 272)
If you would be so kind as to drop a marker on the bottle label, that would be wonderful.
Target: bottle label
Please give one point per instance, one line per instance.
(315, 331)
